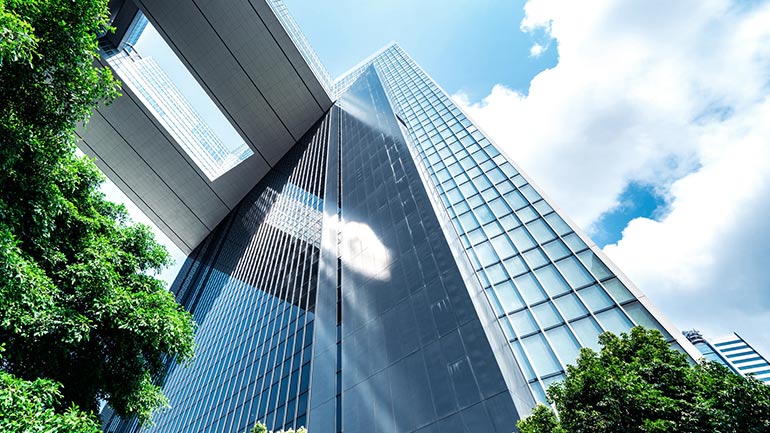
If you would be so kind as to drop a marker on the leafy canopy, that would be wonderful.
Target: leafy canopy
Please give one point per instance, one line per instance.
(78, 300)
(261, 428)
(29, 406)
(638, 384)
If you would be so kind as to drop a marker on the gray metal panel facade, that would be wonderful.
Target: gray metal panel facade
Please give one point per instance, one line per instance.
(247, 63)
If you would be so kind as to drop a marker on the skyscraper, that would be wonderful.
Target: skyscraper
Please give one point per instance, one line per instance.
(394, 272)
(733, 352)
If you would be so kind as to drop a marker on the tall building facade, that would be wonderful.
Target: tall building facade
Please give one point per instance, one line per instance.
(733, 352)
(393, 272)
(172, 109)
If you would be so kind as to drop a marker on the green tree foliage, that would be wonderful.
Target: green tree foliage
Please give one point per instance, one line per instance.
(30, 407)
(261, 428)
(638, 384)
(78, 300)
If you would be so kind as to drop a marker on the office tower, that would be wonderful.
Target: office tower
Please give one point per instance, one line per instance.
(733, 352)
(393, 271)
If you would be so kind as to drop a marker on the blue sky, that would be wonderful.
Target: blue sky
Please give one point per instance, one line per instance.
(466, 46)
(615, 122)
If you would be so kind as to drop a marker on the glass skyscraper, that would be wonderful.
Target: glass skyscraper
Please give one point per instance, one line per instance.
(394, 272)
(733, 352)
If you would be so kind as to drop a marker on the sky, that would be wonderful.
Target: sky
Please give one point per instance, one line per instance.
(645, 122)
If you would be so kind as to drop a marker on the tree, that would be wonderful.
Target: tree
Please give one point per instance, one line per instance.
(79, 302)
(638, 384)
(29, 406)
(261, 428)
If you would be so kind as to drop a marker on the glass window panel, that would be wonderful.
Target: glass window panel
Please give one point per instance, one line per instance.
(587, 331)
(535, 258)
(547, 315)
(540, 231)
(519, 180)
(478, 154)
(618, 290)
(493, 229)
(570, 306)
(543, 207)
(490, 194)
(614, 321)
(523, 322)
(540, 354)
(574, 242)
(552, 281)
(530, 193)
(574, 272)
(564, 343)
(461, 207)
(454, 168)
(504, 187)
(503, 246)
(642, 317)
(529, 288)
(526, 214)
(484, 214)
(475, 201)
(496, 175)
(499, 207)
(496, 273)
(521, 239)
(453, 195)
(510, 222)
(508, 329)
(485, 253)
(508, 296)
(462, 178)
(538, 393)
(515, 266)
(558, 224)
(482, 183)
(468, 222)
(475, 171)
(496, 305)
(556, 249)
(476, 236)
(508, 169)
(474, 259)
(551, 380)
(526, 368)
(595, 265)
(516, 200)
(467, 189)
(595, 298)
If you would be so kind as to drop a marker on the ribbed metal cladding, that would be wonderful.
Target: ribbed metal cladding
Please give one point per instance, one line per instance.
(251, 286)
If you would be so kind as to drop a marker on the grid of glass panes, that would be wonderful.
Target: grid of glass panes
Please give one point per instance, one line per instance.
(304, 47)
(550, 292)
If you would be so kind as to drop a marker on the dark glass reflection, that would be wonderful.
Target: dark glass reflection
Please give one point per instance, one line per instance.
(251, 286)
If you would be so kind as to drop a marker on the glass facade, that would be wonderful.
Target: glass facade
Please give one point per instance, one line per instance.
(395, 272)
(550, 291)
(251, 286)
(733, 352)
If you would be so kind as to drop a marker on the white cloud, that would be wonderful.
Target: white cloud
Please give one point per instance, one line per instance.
(537, 50)
(674, 94)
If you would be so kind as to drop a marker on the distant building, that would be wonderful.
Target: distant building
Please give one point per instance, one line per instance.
(733, 352)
